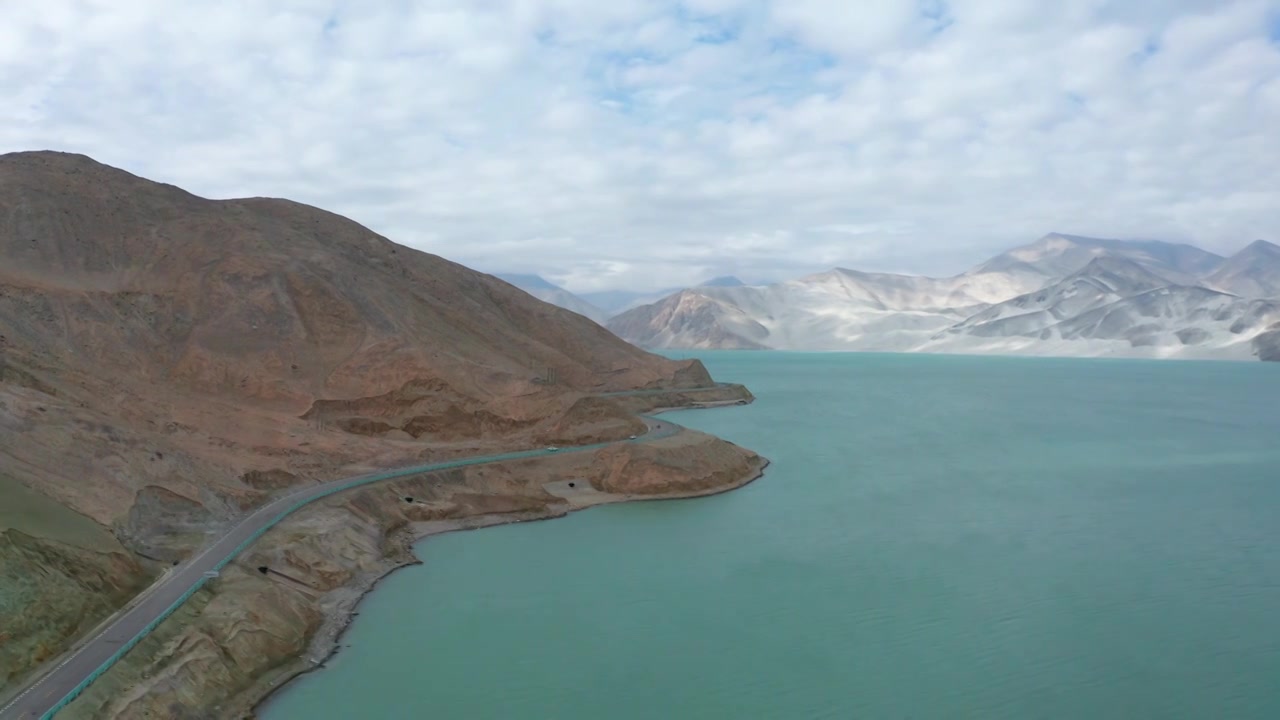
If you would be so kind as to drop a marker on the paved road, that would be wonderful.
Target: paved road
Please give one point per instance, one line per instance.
(47, 694)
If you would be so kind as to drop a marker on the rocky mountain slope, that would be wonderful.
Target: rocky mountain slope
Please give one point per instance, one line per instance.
(691, 319)
(1252, 273)
(1061, 295)
(1104, 280)
(168, 362)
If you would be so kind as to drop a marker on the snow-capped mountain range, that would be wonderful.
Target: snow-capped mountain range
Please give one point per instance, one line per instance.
(1061, 295)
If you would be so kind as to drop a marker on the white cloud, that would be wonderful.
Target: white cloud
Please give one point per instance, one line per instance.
(846, 28)
(649, 144)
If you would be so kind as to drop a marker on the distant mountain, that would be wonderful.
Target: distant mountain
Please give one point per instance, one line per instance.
(528, 282)
(1171, 321)
(1253, 272)
(887, 291)
(1056, 255)
(836, 310)
(723, 281)
(1103, 281)
(615, 302)
(1061, 295)
(545, 291)
(690, 320)
(1195, 315)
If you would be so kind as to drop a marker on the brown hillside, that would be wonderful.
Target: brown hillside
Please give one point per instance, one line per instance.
(168, 361)
(164, 311)
(267, 299)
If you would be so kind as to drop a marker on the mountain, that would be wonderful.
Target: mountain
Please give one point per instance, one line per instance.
(1195, 315)
(168, 362)
(836, 310)
(615, 302)
(723, 281)
(690, 320)
(545, 291)
(1063, 295)
(1103, 281)
(1171, 321)
(1253, 272)
(1056, 255)
(840, 309)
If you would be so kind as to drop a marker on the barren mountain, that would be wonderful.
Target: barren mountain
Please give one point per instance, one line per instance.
(1254, 272)
(168, 361)
(1191, 315)
(1057, 255)
(689, 319)
(836, 310)
(1104, 280)
(1170, 321)
(1042, 298)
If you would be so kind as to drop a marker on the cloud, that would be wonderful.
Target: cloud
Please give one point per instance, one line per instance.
(850, 30)
(649, 144)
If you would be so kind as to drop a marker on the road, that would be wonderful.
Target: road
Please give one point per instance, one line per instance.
(49, 693)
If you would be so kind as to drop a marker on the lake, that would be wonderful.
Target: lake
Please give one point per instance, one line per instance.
(938, 537)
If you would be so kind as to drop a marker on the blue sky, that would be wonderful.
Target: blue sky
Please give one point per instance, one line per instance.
(650, 144)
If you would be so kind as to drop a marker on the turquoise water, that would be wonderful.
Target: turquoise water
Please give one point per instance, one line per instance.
(938, 537)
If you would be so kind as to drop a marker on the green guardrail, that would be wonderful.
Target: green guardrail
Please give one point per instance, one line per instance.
(666, 391)
(358, 482)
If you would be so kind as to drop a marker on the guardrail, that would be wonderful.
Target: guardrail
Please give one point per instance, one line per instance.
(666, 391)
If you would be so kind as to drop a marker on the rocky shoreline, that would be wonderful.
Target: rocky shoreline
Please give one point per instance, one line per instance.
(329, 638)
(280, 609)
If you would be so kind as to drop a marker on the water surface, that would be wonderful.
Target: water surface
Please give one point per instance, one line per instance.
(938, 537)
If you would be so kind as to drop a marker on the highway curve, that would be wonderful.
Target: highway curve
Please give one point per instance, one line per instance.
(49, 693)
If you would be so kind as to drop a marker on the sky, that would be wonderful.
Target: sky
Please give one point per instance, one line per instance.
(649, 144)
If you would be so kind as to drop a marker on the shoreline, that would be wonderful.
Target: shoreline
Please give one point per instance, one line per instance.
(328, 638)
